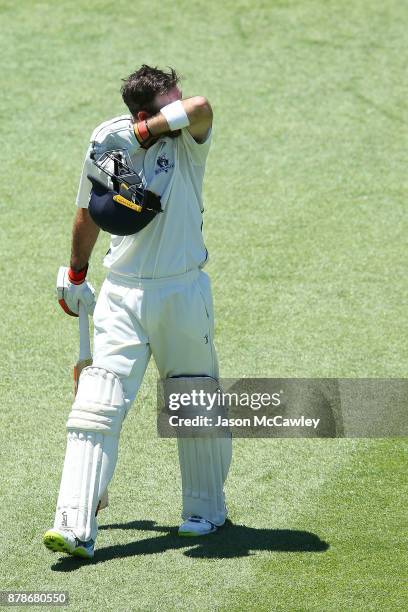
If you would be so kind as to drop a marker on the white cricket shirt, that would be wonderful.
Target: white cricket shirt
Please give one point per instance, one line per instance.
(173, 168)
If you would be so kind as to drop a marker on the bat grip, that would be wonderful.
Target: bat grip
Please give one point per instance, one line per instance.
(84, 340)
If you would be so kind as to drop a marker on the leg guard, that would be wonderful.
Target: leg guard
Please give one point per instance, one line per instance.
(94, 426)
(204, 461)
(204, 464)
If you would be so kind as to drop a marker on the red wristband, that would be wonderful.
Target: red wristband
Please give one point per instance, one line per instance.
(77, 277)
(142, 131)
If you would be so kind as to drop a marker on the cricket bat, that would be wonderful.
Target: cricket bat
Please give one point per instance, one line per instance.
(85, 355)
(84, 360)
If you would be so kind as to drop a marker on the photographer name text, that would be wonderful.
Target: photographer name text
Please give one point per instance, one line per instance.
(253, 421)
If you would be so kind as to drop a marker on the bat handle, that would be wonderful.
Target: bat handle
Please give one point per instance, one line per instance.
(84, 340)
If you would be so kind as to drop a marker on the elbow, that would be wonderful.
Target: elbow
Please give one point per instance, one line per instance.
(203, 108)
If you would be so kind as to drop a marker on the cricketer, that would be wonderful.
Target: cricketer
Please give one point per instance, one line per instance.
(141, 182)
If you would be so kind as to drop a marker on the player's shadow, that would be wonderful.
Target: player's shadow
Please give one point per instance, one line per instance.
(230, 541)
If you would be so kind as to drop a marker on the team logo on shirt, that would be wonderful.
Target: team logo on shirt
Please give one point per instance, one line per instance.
(163, 164)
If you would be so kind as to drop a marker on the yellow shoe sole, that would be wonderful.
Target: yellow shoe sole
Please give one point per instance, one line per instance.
(56, 543)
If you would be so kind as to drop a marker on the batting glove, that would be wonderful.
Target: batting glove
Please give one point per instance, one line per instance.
(72, 288)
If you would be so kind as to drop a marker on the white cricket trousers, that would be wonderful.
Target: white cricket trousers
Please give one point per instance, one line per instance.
(171, 319)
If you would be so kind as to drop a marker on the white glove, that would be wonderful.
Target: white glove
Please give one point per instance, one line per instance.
(72, 288)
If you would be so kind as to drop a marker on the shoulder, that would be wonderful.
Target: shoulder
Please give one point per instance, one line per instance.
(111, 126)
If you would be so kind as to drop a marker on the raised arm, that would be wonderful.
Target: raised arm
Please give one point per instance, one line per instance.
(194, 113)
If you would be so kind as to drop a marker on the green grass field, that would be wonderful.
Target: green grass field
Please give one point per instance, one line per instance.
(307, 230)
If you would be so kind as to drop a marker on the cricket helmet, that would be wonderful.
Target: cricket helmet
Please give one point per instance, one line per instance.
(126, 207)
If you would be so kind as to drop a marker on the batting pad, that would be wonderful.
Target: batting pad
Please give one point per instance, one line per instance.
(99, 403)
(93, 427)
(204, 465)
(204, 461)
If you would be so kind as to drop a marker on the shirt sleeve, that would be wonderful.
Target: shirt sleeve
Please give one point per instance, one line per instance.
(197, 152)
(85, 185)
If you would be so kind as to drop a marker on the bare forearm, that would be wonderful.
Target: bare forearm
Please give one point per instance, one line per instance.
(198, 111)
(84, 235)
(197, 108)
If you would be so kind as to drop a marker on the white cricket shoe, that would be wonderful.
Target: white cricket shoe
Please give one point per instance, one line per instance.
(59, 540)
(196, 526)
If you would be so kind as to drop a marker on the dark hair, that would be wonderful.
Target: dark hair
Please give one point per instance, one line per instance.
(140, 88)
